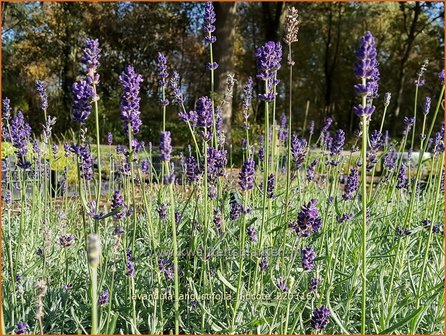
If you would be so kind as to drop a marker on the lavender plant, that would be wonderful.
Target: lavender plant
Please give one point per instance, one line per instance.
(306, 236)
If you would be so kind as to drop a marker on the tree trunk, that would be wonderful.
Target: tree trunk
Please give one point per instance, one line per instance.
(402, 68)
(223, 52)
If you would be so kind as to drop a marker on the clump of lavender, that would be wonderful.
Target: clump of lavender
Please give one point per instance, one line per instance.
(246, 175)
(352, 184)
(298, 150)
(319, 318)
(130, 113)
(41, 90)
(308, 256)
(308, 220)
(20, 137)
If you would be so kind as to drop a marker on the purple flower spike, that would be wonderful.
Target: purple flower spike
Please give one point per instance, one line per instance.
(21, 328)
(165, 146)
(162, 69)
(298, 150)
(204, 112)
(41, 90)
(6, 108)
(131, 82)
(270, 186)
(366, 69)
(308, 220)
(314, 282)
(319, 318)
(269, 57)
(218, 221)
(402, 178)
(427, 105)
(352, 184)
(104, 298)
(209, 20)
(252, 233)
(337, 144)
(90, 58)
(281, 284)
(118, 205)
(82, 98)
(246, 175)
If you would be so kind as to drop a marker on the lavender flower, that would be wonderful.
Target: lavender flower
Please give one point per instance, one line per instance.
(247, 98)
(390, 158)
(281, 284)
(308, 220)
(310, 169)
(338, 142)
(308, 256)
(311, 127)
(269, 57)
(326, 126)
(204, 111)
(209, 20)
(90, 58)
(130, 114)
(402, 178)
(6, 108)
(352, 184)
(270, 186)
(263, 264)
(314, 282)
(82, 96)
(176, 88)
(192, 171)
(427, 105)
(366, 69)
(298, 150)
(218, 221)
(162, 212)
(419, 82)
(104, 298)
(21, 328)
(162, 69)
(387, 97)
(66, 240)
(41, 90)
(344, 218)
(291, 28)
(118, 205)
(165, 146)
(252, 233)
(319, 318)
(441, 76)
(130, 264)
(110, 138)
(246, 175)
